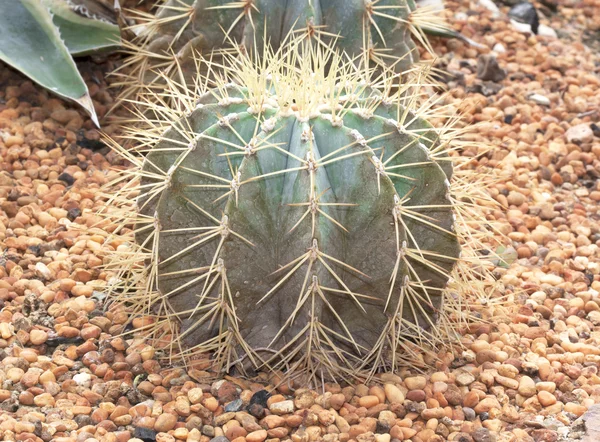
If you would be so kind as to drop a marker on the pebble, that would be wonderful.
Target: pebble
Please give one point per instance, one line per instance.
(486, 405)
(393, 394)
(465, 378)
(488, 68)
(38, 337)
(540, 99)
(256, 436)
(546, 31)
(165, 422)
(527, 386)
(368, 401)
(546, 398)
(579, 134)
(415, 383)
(282, 407)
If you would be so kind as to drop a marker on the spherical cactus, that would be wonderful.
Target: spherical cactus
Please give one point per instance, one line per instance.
(299, 216)
(383, 30)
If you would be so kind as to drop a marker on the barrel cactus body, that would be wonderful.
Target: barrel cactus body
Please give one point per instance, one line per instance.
(299, 214)
(384, 31)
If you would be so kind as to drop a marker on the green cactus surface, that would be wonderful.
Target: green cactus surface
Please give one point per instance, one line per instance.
(299, 213)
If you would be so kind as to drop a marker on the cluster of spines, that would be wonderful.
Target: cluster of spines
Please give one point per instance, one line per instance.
(148, 55)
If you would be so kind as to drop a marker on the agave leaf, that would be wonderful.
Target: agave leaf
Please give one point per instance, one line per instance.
(82, 35)
(31, 43)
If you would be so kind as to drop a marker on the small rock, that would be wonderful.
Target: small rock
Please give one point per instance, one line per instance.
(66, 178)
(393, 394)
(453, 395)
(211, 403)
(368, 401)
(257, 436)
(540, 99)
(464, 378)
(580, 134)
(416, 395)
(282, 407)
(547, 31)
(525, 13)
(592, 424)
(546, 398)
(256, 410)
(515, 198)
(234, 405)
(38, 337)
(488, 69)
(544, 435)
(83, 379)
(144, 434)
(228, 392)
(415, 382)
(487, 404)
(483, 435)
(499, 48)
(469, 413)
(260, 398)
(387, 419)
(43, 271)
(165, 422)
(195, 395)
(433, 413)
(526, 387)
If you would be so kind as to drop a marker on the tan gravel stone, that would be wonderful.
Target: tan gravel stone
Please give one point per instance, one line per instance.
(546, 399)
(550, 387)
(368, 401)
(526, 386)
(44, 400)
(256, 436)
(415, 382)
(282, 407)
(37, 337)
(393, 394)
(486, 405)
(165, 422)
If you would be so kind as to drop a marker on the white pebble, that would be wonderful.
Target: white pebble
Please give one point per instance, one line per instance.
(83, 379)
(540, 99)
(499, 48)
(547, 31)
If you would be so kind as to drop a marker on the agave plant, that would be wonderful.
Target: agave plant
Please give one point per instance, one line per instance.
(40, 37)
(298, 215)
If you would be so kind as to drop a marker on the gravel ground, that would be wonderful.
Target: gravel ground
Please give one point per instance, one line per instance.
(67, 375)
